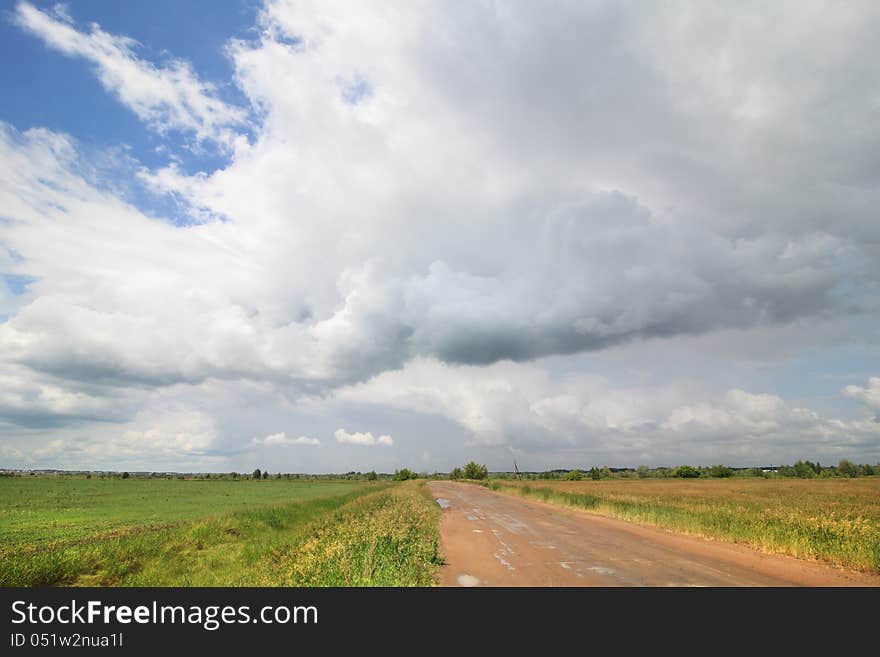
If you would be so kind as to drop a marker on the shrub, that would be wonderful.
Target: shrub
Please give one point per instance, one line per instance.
(403, 474)
(804, 470)
(720, 471)
(574, 475)
(257, 474)
(600, 473)
(125, 475)
(686, 472)
(456, 474)
(372, 476)
(475, 471)
(848, 469)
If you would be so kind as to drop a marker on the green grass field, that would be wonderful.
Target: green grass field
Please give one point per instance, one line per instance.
(835, 520)
(159, 532)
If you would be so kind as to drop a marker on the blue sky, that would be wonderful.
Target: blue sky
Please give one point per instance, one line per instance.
(63, 94)
(338, 237)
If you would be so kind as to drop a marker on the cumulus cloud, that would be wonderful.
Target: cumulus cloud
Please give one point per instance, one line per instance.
(282, 440)
(869, 395)
(180, 432)
(523, 409)
(169, 97)
(364, 439)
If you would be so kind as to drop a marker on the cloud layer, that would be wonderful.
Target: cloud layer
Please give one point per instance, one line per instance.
(476, 187)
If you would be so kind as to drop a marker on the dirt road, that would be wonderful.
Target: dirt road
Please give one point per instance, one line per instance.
(492, 539)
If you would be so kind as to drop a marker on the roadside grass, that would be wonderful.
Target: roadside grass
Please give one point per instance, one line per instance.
(387, 538)
(836, 520)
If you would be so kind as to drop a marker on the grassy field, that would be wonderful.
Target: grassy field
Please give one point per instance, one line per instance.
(835, 520)
(65, 531)
(389, 538)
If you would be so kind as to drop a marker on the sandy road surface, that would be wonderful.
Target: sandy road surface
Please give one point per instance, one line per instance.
(492, 539)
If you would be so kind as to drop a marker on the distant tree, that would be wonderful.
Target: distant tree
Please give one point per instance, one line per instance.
(257, 474)
(848, 469)
(125, 475)
(574, 475)
(686, 472)
(456, 474)
(600, 473)
(372, 476)
(643, 471)
(403, 474)
(804, 470)
(720, 471)
(89, 475)
(474, 470)
(265, 474)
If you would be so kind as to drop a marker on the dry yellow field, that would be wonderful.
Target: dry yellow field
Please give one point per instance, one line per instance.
(835, 520)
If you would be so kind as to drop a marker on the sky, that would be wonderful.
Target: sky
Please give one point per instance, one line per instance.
(318, 236)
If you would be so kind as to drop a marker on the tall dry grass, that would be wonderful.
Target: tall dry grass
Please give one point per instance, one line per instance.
(388, 538)
(834, 520)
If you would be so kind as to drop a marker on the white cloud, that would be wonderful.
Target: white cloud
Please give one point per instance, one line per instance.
(363, 439)
(278, 302)
(179, 432)
(520, 407)
(53, 449)
(160, 437)
(170, 97)
(868, 395)
(282, 440)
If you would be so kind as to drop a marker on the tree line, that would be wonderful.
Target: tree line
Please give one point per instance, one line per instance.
(802, 469)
